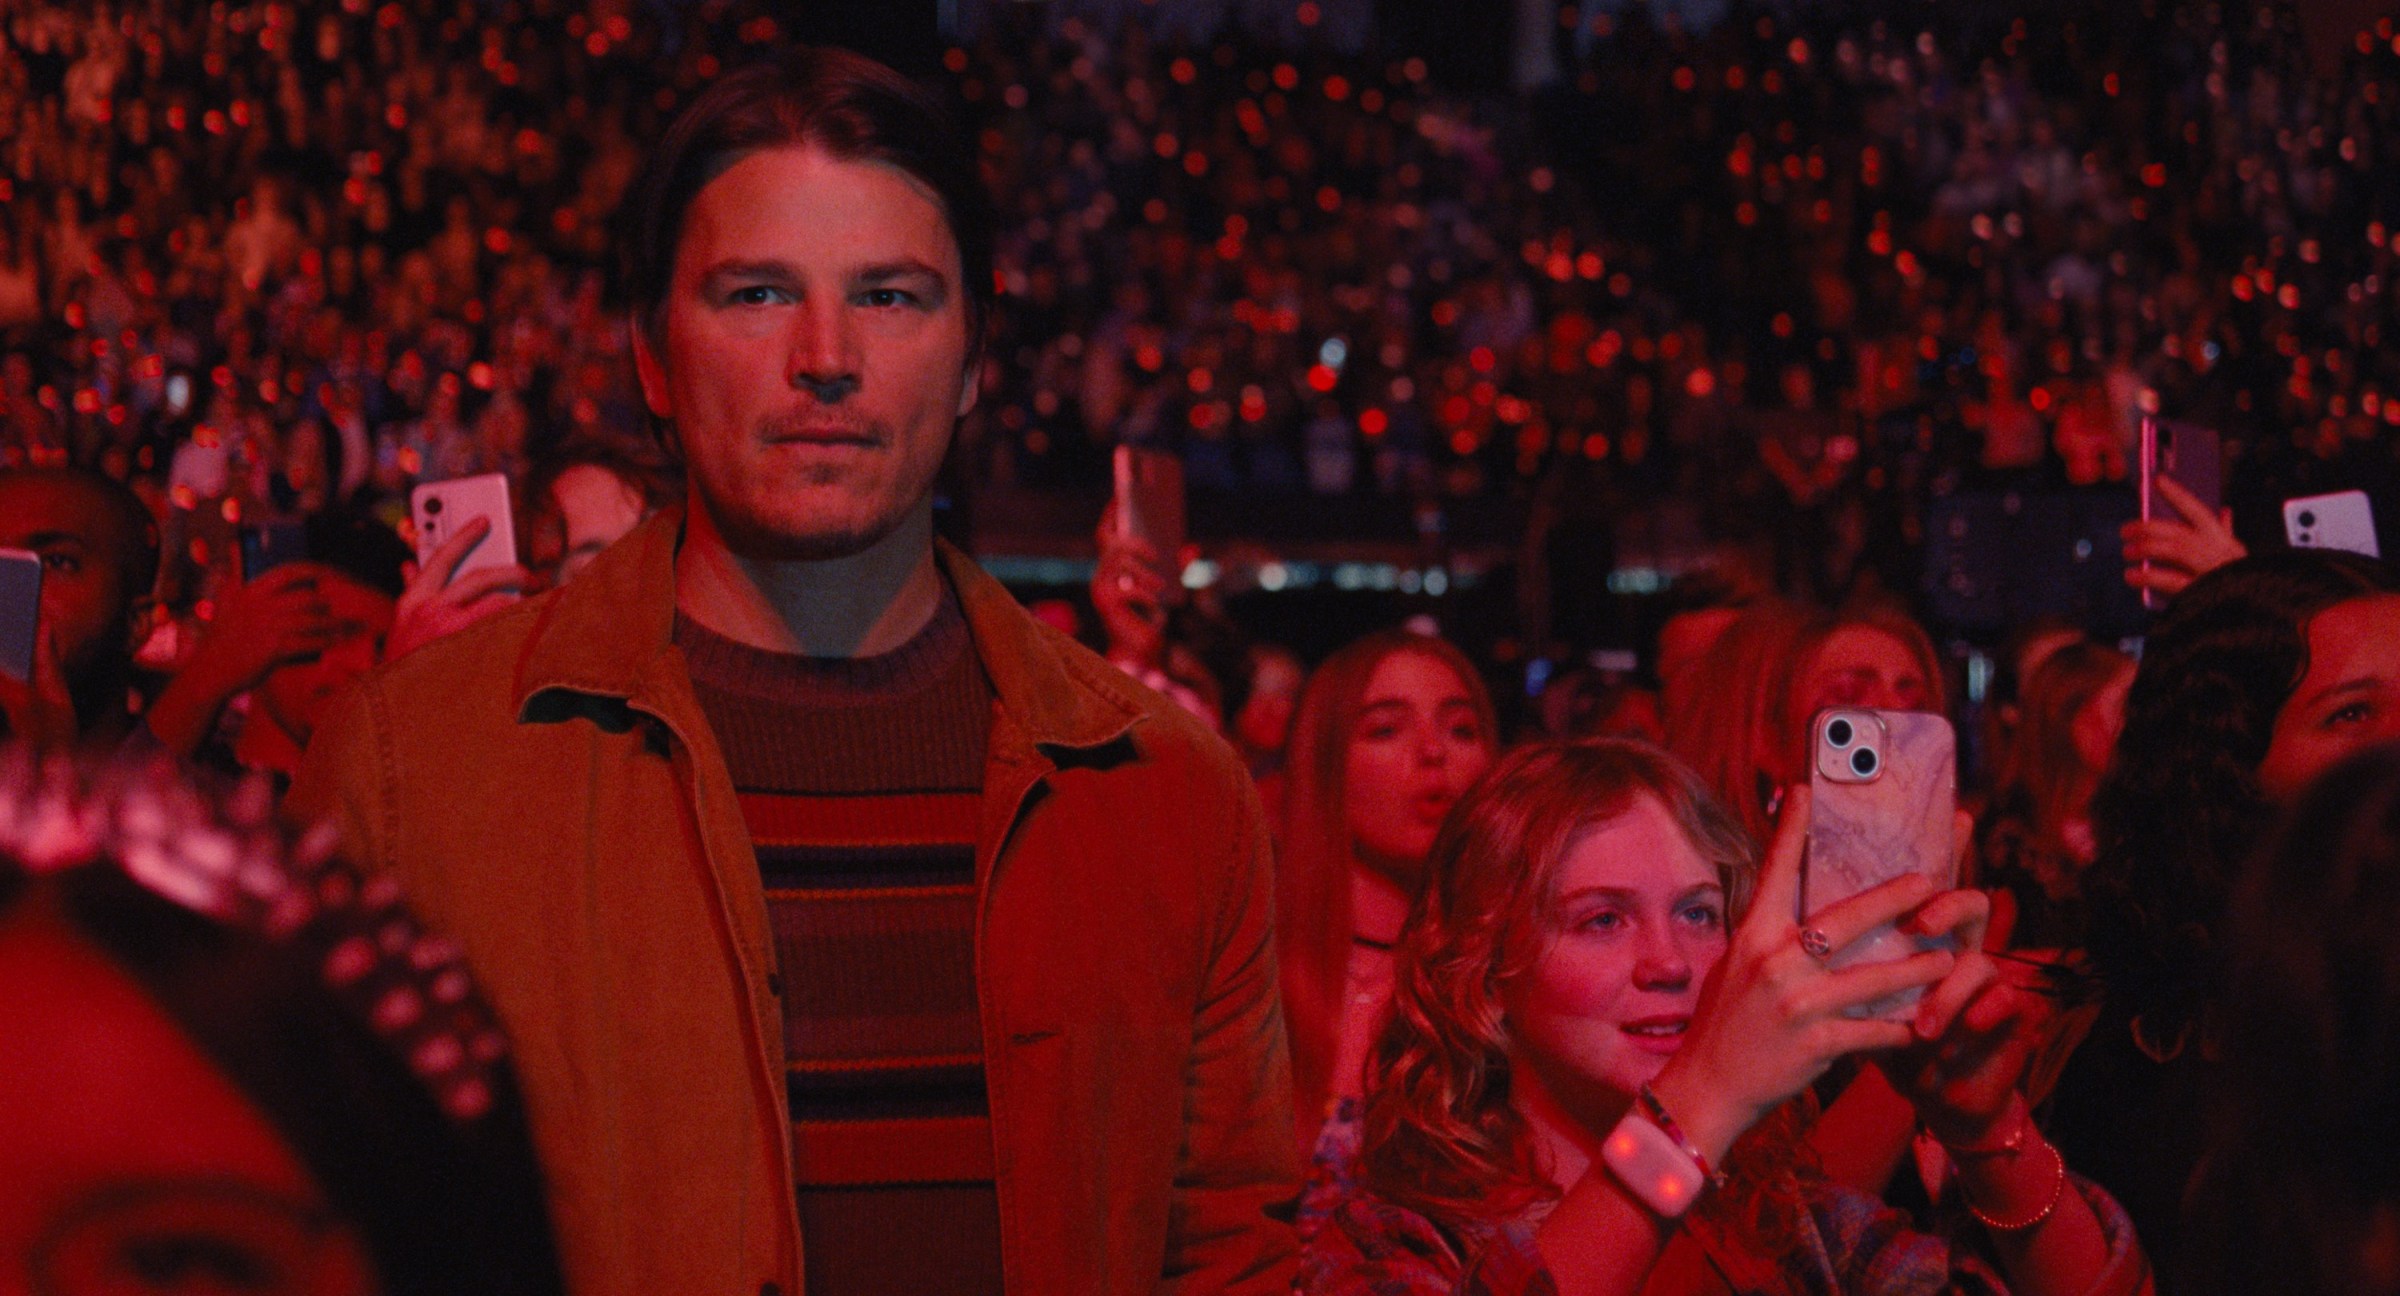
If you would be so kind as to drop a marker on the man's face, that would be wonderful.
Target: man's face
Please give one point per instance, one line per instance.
(85, 605)
(811, 352)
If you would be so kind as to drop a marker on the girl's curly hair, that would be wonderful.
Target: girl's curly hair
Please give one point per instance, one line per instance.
(2181, 805)
(1441, 1136)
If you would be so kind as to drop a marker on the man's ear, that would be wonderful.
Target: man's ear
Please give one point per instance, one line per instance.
(972, 387)
(651, 370)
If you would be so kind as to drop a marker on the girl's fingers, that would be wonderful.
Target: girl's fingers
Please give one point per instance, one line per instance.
(1778, 896)
(1960, 913)
(1953, 993)
(1846, 920)
(1853, 987)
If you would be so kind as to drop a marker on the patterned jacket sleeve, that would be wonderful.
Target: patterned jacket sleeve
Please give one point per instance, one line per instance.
(1373, 1248)
(1873, 1248)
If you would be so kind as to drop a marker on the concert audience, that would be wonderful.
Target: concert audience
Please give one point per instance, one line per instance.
(1602, 1008)
(2259, 677)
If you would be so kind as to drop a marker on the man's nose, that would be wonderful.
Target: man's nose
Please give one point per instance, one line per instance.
(824, 351)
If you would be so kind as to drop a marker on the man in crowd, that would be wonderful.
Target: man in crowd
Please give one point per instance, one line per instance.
(99, 550)
(853, 929)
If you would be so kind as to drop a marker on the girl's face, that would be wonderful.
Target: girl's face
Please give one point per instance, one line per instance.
(128, 1162)
(2349, 699)
(1635, 921)
(1418, 743)
(1859, 665)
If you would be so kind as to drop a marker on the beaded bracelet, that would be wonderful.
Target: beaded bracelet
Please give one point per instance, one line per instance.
(2058, 1190)
(1666, 1124)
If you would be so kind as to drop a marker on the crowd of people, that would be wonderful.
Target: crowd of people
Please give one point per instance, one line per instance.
(837, 924)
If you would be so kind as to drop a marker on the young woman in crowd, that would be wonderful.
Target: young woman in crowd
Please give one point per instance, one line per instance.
(2298, 1190)
(2260, 676)
(1601, 1013)
(1391, 731)
(2037, 840)
(229, 1070)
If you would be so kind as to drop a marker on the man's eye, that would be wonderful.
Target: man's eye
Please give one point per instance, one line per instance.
(62, 563)
(884, 297)
(755, 295)
(2351, 714)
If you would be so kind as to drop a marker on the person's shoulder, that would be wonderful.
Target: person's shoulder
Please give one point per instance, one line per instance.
(457, 680)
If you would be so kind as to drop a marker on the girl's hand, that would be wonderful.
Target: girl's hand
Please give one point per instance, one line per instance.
(2164, 554)
(1771, 1016)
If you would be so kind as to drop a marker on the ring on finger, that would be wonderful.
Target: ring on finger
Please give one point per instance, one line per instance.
(1815, 943)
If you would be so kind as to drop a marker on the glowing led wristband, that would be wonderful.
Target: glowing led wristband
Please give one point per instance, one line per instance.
(1653, 1166)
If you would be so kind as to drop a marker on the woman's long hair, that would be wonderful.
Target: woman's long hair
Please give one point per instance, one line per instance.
(2181, 806)
(1313, 855)
(1735, 709)
(2048, 781)
(1441, 1134)
(2299, 1184)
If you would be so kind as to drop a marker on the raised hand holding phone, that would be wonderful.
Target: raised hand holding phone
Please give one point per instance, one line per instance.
(446, 594)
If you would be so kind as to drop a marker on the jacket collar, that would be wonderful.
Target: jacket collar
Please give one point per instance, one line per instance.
(611, 633)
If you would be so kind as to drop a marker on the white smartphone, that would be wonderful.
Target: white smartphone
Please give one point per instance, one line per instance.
(1882, 798)
(440, 508)
(20, 611)
(2342, 520)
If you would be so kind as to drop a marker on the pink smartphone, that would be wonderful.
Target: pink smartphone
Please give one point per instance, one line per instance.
(1882, 803)
(440, 508)
(2194, 456)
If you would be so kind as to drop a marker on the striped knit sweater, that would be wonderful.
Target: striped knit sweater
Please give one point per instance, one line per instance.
(859, 780)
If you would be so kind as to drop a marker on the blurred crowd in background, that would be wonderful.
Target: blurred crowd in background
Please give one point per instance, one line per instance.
(1760, 297)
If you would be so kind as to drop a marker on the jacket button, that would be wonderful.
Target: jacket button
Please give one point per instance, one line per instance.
(770, 1288)
(775, 988)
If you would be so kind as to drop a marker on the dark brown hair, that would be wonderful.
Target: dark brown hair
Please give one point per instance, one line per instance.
(845, 104)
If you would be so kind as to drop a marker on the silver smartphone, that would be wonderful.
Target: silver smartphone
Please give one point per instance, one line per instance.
(440, 508)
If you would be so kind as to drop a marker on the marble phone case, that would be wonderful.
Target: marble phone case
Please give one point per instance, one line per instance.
(1865, 829)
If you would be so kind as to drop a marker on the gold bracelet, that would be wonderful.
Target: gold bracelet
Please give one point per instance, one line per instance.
(2058, 1189)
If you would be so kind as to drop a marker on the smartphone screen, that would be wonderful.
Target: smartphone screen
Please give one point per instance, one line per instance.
(1882, 801)
(20, 611)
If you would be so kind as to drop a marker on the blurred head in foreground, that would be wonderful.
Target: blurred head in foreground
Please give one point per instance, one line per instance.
(231, 1066)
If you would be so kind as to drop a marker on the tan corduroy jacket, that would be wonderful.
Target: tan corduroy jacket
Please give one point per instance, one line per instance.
(545, 786)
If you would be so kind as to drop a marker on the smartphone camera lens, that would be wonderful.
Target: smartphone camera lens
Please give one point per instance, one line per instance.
(1838, 732)
(433, 507)
(2308, 517)
(1862, 762)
